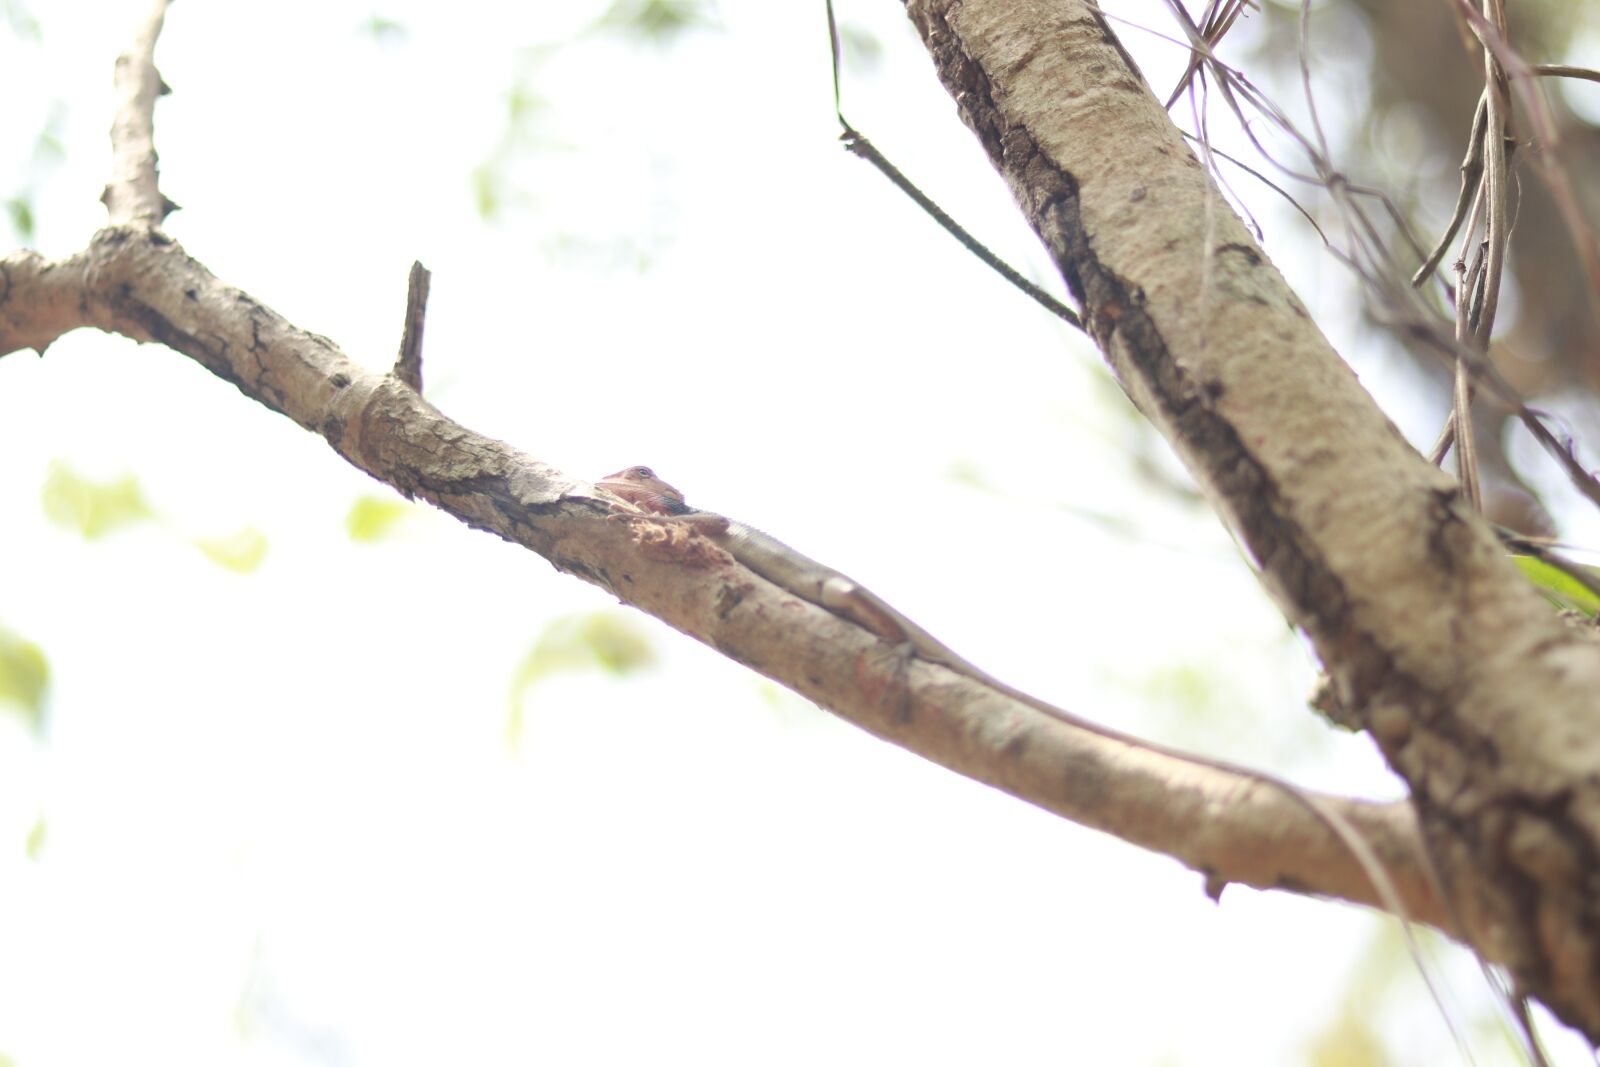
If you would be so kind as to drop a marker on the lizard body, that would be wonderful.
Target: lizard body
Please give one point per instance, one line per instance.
(843, 596)
(827, 588)
(812, 581)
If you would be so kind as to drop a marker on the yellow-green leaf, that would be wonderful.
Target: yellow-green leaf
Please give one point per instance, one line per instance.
(608, 640)
(1561, 588)
(92, 508)
(240, 552)
(372, 518)
(36, 838)
(24, 676)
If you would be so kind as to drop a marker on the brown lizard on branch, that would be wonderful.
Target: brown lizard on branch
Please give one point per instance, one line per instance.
(809, 580)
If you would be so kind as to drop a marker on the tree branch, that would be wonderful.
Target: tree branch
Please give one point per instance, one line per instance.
(1232, 827)
(135, 281)
(1477, 693)
(133, 193)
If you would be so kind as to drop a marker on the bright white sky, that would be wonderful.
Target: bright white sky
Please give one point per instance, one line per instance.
(284, 822)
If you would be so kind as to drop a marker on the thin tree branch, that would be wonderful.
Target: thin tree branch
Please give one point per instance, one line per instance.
(857, 144)
(1563, 70)
(408, 367)
(133, 194)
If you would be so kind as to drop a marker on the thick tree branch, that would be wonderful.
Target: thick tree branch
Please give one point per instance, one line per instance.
(1479, 695)
(1232, 827)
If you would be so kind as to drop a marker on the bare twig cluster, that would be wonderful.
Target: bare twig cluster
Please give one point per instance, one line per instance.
(1483, 217)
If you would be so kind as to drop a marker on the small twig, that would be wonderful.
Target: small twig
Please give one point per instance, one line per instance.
(858, 145)
(408, 367)
(1496, 169)
(1471, 173)
(134, 194)
(1466, 440)
(1520, 78)
(1217, 24)
(1264, 180)
(1562, 70)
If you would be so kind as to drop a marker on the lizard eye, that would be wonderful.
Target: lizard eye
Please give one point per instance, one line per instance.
(644, 472)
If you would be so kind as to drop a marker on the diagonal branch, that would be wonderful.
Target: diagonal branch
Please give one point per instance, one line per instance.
(1230, 826)
(1478, 695)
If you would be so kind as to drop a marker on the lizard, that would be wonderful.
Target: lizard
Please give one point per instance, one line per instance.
(801, 576)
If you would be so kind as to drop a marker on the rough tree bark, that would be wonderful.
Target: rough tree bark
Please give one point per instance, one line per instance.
(1478, 695)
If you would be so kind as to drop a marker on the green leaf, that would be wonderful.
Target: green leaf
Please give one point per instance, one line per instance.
(608, 640)
(20, 213)
(385, 31)
(24, 676)
(240, 552)
(657, 22)
(34, 846)
(1561, 588)
(486, 190)
(373, 518)
(93, 509)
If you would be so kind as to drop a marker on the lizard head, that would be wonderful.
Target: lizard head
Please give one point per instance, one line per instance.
(640, 487)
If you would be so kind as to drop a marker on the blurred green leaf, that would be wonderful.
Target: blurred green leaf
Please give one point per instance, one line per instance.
(34, 846)
(240, 552)
(1562, 589)
(608, 640)
(486, 197)
(863, 52)
(372, 518)
(93, 509)
(658, 22)
(24, 676)
(385, 31)
(25, 26)
(19, 211)
(48, 147)
(524, 105)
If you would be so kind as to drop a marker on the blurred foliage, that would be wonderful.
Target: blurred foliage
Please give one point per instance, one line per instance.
(502, 182)
(1350, 1037)
(526, 130)
(21, 22)
(48, 152)
(19, 212)
(24, 677)
(1348, 1041)
(608, 640)
(240, 552)
(37, 834)
(862, 52)
(373, 518)
(656, 22)
(1561, 589)
(93, 509)
(1384, 979)
(385, 31)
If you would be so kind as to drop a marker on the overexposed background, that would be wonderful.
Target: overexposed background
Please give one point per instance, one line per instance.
(315, 798)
